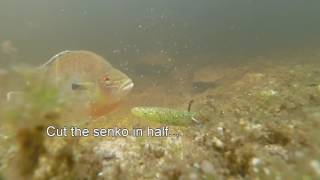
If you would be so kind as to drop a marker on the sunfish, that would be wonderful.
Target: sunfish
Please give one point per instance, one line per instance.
(78, 70)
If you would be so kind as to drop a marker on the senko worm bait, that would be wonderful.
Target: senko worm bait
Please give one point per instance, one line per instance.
(165, 115)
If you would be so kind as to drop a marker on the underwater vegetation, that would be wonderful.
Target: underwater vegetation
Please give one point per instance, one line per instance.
(261, 123)
(24, 120)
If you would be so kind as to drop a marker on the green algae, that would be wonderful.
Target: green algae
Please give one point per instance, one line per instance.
(24, 120)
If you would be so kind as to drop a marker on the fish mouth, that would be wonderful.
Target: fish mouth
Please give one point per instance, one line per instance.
(127, 85)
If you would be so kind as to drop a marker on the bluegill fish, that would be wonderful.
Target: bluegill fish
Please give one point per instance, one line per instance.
(81, 70)
(74, 72)
(165, 115)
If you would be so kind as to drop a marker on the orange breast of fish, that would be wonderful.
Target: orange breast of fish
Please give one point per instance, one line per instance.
(101, 109)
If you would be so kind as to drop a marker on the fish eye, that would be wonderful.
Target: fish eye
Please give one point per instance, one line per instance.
(106, 81)
(105, 78)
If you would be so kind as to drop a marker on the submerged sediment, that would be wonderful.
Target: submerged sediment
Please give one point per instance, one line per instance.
(254, 123)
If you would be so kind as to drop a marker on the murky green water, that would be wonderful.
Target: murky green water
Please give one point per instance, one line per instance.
(250, 67)
(125, 31)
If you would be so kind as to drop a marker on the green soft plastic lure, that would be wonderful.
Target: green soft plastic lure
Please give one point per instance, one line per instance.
(165, 115)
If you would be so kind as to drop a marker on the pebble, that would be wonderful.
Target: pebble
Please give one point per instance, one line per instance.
(193, 176)
(218, 143)
(255, 161)
(207, 167)
(315, 165)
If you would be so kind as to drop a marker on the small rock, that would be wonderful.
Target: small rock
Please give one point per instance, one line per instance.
(218, 143)
(156, 151)
(196, 165)
(193, 176)
(315, 166)
(318, 87)
(269, 93)
(277, 150)
(220, 130)
(207, 167)
(255, 161)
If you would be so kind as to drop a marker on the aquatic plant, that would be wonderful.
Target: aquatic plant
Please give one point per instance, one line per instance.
(38, 105)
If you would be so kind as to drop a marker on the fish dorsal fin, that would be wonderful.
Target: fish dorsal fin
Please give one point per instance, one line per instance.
(54, 58)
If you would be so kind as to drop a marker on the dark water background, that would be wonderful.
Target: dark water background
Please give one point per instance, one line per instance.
(186, 30)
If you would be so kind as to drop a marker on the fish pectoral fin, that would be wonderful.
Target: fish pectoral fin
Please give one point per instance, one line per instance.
(14, 95)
